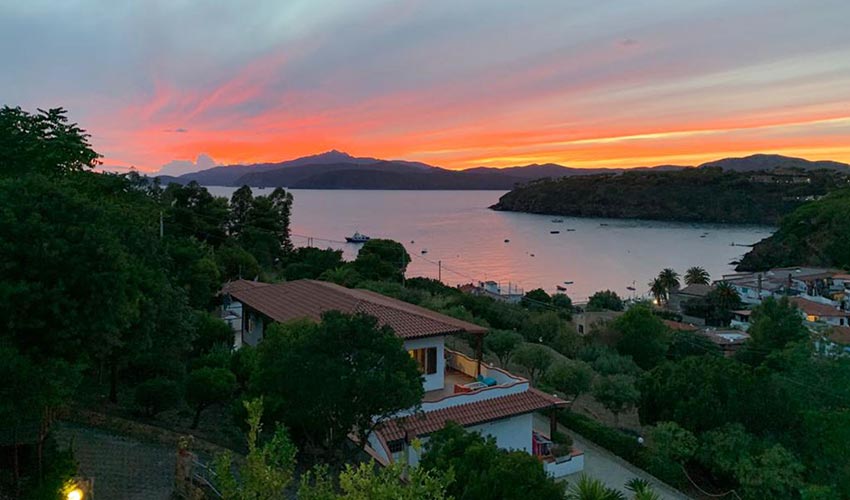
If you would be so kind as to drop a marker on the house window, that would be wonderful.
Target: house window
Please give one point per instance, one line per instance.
(426, 359)
(396, 446)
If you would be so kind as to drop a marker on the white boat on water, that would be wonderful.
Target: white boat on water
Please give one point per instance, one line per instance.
(357, 238)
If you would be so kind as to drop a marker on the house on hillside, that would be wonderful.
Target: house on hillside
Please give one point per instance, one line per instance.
(585, 321)
(835, 341)
(458, 388)
(680, 296)
(825, 286)
(728, 341)
(816, 313)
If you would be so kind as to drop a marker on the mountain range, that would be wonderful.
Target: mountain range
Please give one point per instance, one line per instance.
(339, 170)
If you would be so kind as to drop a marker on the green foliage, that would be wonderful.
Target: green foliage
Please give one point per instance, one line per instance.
(211, 332)
(605, 300)
(617, 393)
(43, 143)
(381, 259)
(721, 450)
(156, 395)
(563, 302)
(536, 299)
(503, 343)
(588, 488)
(773, 474)
(482, 470)
(684, 343)
(323, 380)
(690, 195)
(543, 327)
(644, 337)
(268, 467)
(570, 377)
(611, 363)
(773, 325)
(697, 276)
(344, 275)
(207, 386)
(311, 263)
(234, 262)
(534, 358)
(367, 481)
(717, 306)
(642, 489)
(815, 234)
(671, 441)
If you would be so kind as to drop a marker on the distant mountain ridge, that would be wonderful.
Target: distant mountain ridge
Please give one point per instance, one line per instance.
(338, 170)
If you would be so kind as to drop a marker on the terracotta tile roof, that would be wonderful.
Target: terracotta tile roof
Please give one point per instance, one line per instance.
(310, 298)
(817, 309)
(470, 414)
(678, 325)
(696, 290)
(839, 335)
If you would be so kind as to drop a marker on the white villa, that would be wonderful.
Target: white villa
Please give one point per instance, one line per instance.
(458, 388)
(825, 286)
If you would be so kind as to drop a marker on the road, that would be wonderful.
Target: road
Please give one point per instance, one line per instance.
(612, 470)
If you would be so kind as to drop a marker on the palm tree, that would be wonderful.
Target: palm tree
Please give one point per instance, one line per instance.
(587, 488)
(658, 290)
(642, 489)
(670, 279)
(697, 276)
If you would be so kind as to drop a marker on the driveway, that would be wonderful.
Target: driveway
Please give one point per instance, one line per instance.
(123, 468)
(612, 470)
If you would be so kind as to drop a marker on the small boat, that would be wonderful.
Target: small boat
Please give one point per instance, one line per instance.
(532, 255)
(507, 241)
(357, 238)
(630, 288)
(412, 242)
(424, 250)
(558, 221)
(702, 236)
(561, 288)
(569, 282)
(603, 224)
(570, 229)
(554, 232)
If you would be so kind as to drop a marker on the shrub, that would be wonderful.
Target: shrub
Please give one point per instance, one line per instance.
(156, 395)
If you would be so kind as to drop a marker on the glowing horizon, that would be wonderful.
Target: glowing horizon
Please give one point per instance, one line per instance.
(485, 83)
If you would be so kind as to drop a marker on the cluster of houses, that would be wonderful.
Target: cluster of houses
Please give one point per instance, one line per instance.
(458, 388)
(821, 295)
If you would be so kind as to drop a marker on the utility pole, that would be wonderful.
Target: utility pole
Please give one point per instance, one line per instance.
(161, 226)
(440, 271)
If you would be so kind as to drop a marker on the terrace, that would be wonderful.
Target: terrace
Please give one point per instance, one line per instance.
(462, 384)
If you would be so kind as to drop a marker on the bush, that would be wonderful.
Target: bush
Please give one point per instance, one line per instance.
(156, 395)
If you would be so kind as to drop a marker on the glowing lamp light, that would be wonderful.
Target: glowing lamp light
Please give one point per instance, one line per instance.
(74, 494)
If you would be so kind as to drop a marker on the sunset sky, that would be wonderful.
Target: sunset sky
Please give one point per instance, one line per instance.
(589, 83)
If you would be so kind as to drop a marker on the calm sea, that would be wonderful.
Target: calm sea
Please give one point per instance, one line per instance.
(457, 229)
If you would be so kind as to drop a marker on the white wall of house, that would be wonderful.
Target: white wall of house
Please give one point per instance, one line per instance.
(252, 332)
(513, 433)
(436, 380)
(565, 466)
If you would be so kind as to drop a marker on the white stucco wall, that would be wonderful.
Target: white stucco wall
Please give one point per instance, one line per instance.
(433, 381)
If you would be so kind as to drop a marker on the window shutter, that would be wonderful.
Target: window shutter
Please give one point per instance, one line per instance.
(431, 360)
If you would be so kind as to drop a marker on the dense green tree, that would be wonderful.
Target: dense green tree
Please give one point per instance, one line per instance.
(482, 470)
(773, 325)
(617, 393)
(266, 232)
(503, 343)
(156, 395)
(191, 211)
(644, 336)
(611, 363)
(543, 327)
(381, 259)
(716, 306)
(670, 279)
(535, 358)
(207, 386)
(326, 379)
(774, 473)
(311, 262)
(698, 393)
(344, 275)
(697, 276)
(684, 343)
(673, 442)
(234, 262)
(536, 299)
(571, 378)
(721, 450)
(241, 202)
(605, 300)
(42, 142)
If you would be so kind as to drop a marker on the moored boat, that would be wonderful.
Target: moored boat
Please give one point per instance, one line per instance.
(357, 238)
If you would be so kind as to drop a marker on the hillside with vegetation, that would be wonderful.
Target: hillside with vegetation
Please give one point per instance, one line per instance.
(815, 234)
(692, 195)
